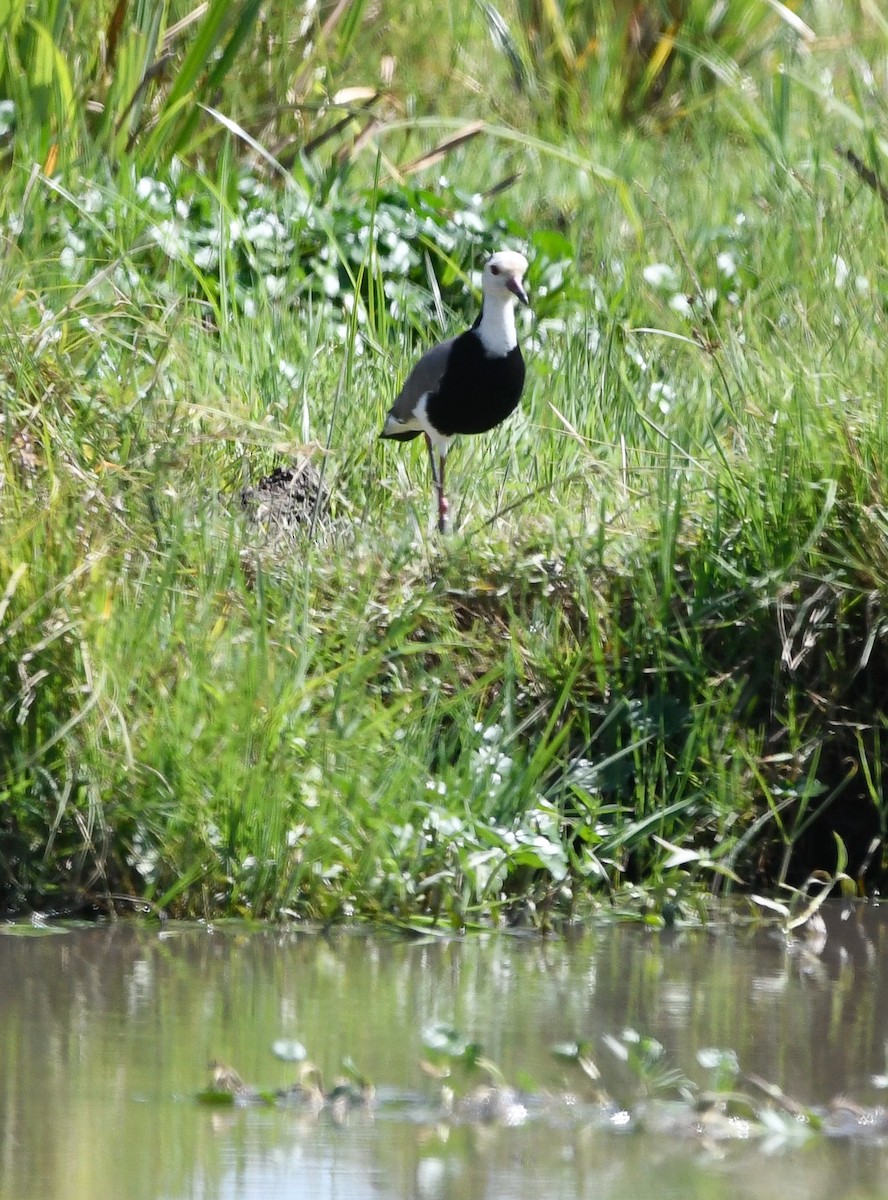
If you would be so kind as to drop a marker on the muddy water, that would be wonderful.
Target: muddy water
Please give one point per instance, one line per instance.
(105, 1034)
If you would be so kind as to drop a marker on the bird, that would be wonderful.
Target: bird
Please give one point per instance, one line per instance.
(469, 383)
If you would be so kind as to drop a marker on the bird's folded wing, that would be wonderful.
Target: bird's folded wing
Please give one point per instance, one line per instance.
(425, 377)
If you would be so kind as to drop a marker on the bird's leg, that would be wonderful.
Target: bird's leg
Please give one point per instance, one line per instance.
(438, 479)
(443, 505)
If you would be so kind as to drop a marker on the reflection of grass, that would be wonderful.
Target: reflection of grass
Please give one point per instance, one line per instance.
(652, 652)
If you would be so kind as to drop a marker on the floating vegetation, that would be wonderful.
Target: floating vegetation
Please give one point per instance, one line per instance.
(470, 1089)
(349, 1091)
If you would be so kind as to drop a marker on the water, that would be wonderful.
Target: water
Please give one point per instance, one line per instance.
(105, 1036)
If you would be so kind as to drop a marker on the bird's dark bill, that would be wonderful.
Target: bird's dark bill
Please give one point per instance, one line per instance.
(515, 287)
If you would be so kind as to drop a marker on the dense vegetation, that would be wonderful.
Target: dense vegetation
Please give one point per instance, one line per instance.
(650, 662)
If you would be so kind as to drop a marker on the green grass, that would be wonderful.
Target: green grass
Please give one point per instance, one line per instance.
(648, 662)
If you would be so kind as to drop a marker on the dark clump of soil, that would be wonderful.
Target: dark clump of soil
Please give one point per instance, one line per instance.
(290, 498)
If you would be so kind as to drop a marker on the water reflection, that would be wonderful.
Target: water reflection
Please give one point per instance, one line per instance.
(105, 1036)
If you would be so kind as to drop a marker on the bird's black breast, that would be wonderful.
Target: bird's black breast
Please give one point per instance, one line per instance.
(476, 391)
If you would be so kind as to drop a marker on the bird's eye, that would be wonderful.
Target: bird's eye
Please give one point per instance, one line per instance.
(494, 270)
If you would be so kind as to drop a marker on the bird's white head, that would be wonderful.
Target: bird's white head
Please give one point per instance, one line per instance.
(503, 277)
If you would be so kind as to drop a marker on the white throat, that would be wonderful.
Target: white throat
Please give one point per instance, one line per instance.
(497, 327)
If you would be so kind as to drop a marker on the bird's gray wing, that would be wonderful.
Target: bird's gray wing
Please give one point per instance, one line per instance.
(425, 377)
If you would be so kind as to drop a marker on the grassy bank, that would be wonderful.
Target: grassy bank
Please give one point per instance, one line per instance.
(651, 660)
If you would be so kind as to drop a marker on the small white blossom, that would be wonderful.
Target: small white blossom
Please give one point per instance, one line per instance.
(681, 304)
(633, 353)
(289, 372)
(157, 194)
(446, 824)
(662, 394)
(206, 257)
(49, 333)
(661, 275)
(126, 277)
(171, 238)
(264, 228)
(469, 220)
(92, 200)
(7, 116)
(399, 258)
(76, 243)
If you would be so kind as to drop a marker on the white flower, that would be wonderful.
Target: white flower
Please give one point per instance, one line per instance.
(170, 237)
(399, 258)
(49, 333)
(126, 278)
(205, 257)
(447, 824)
(156, 193)
(662, 394)
(661, 275)
(842, 271)
(680, 304)
(469, 220)
(264, 228)
(726, 263)
(275, 285)
(289, 372)
(92, 201)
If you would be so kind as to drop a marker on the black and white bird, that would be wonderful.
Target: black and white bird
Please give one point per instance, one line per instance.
(471, 382)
